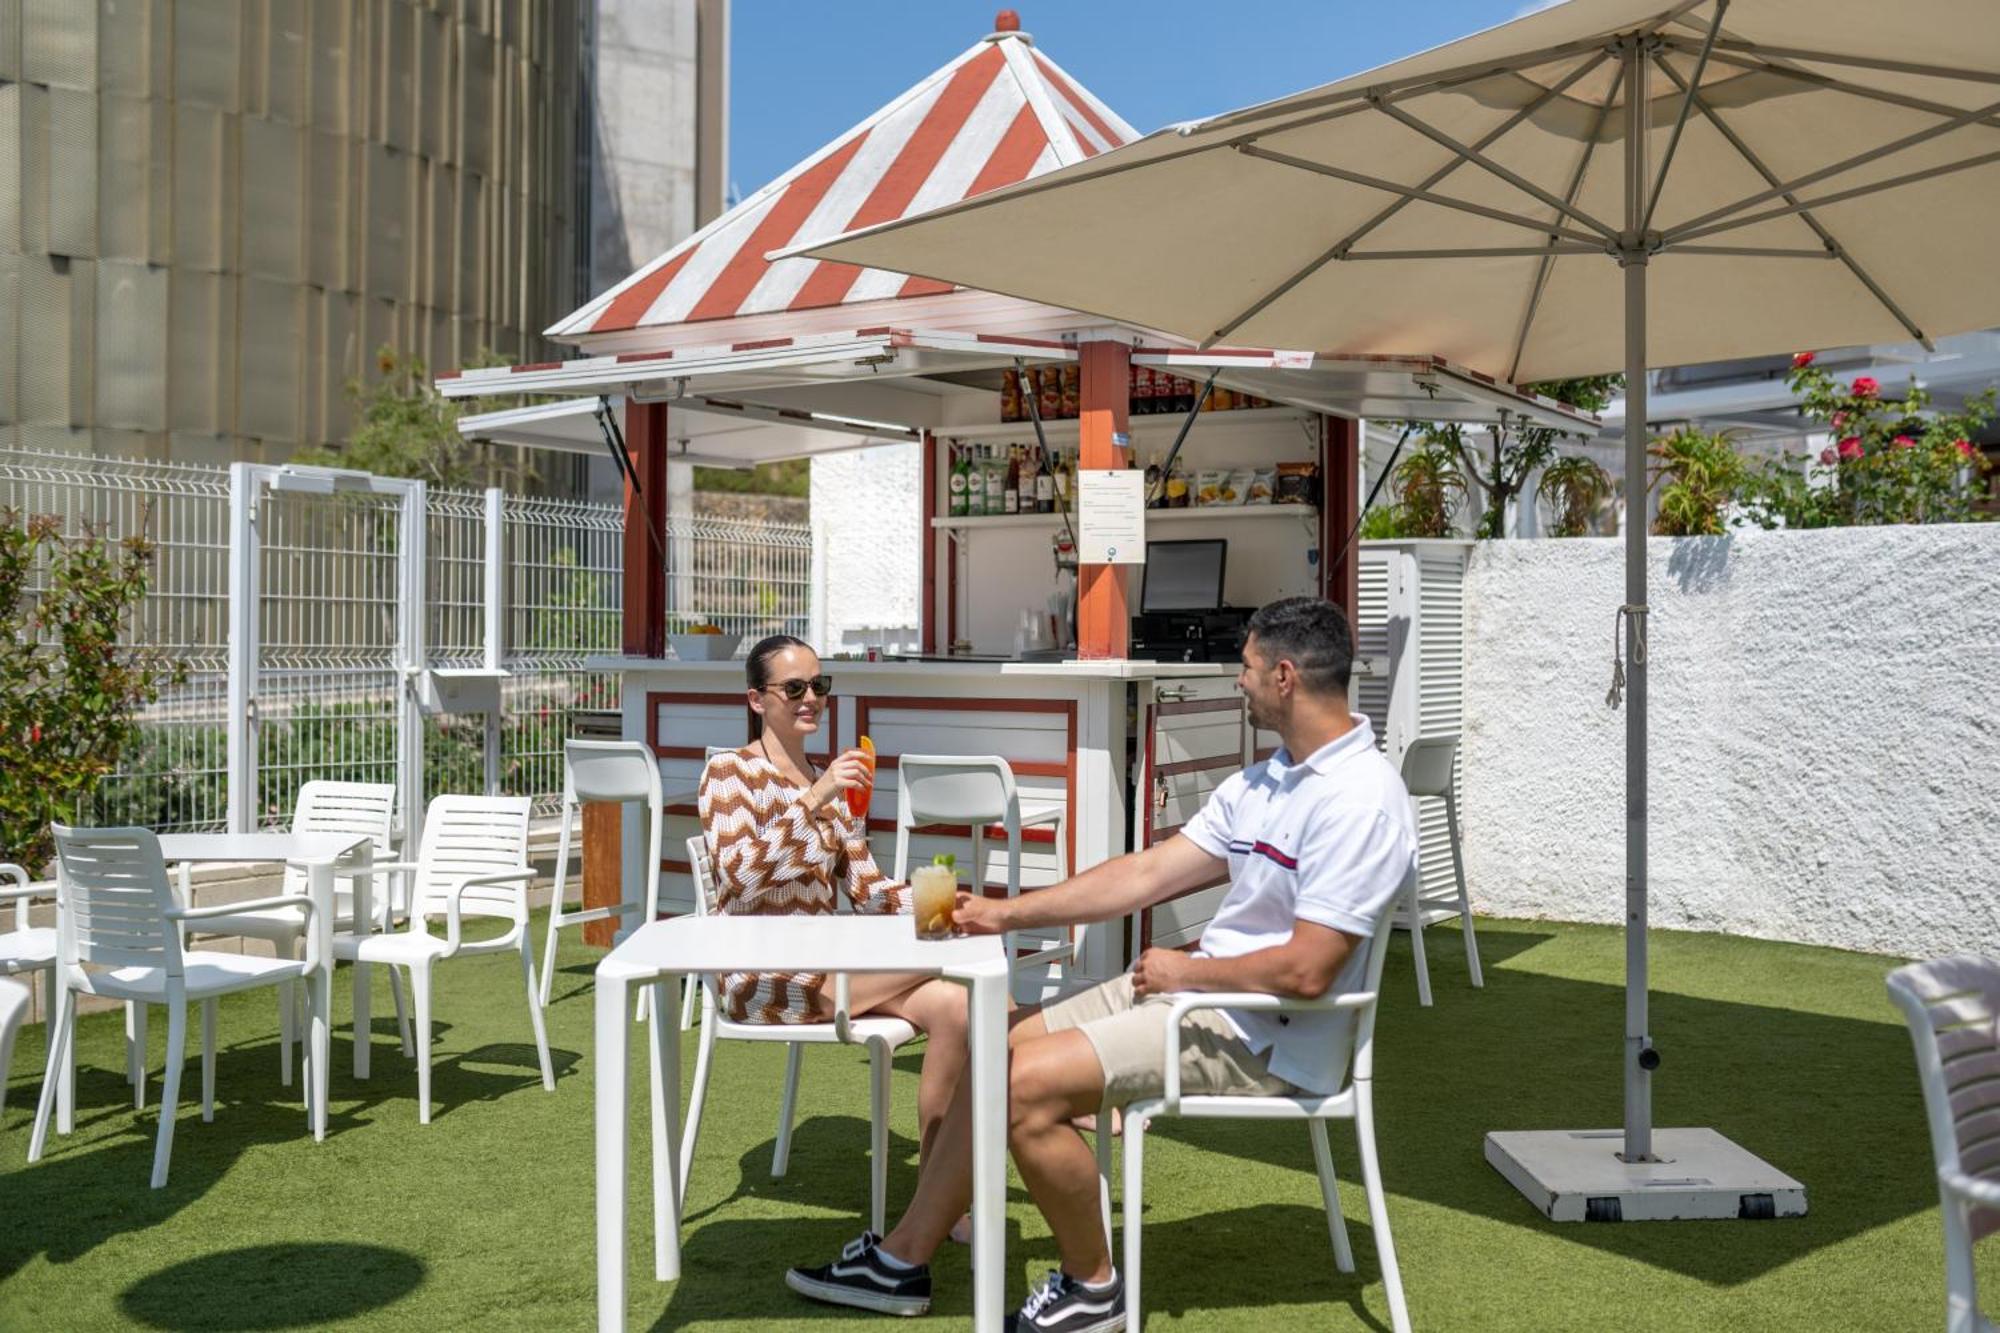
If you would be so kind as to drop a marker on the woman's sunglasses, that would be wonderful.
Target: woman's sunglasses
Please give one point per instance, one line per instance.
(795, 690)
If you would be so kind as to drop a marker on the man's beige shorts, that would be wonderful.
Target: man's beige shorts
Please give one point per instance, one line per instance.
(1130, 1037)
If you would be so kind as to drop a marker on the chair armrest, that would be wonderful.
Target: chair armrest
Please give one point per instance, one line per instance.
(183, 915)
(21, 894)
(1972, 1189)
(1048, 814)
(452, 908)
(1187, 1002)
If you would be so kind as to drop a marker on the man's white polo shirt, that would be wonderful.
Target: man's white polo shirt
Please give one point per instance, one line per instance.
(1329, 840)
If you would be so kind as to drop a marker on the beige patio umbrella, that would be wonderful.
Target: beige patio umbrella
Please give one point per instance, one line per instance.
(1602, 185)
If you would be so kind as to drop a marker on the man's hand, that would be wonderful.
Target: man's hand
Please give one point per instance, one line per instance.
(1160, 971)
(977, 915)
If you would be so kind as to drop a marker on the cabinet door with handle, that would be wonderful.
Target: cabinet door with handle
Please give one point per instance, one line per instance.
(1197, 736)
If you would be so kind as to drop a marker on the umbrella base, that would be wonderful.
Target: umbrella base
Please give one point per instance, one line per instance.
(1575, 1175)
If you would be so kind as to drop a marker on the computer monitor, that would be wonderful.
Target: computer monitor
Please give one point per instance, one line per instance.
(1183, 576)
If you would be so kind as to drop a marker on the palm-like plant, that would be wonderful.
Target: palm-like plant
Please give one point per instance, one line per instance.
(1575, 487)
(1699, 475)
(1430, 488)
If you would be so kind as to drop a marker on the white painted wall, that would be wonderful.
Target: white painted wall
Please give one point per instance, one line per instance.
(1825, 746)
(867, 549)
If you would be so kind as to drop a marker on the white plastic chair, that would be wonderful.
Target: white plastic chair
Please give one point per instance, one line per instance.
(473, 862)
(881, 1035)
(611, 771)
(365, 809)
(119, 936)
(26, 949)
(979, 791)
(1953, 1008)
(1354, 1102)
(14, 1000)
(1427, 768)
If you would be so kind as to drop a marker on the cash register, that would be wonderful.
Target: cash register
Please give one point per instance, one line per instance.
(1181, 613)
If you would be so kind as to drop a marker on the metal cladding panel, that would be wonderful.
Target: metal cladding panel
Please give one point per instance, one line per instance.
(194, 350)
(197, 178)
(208, 55)
(59, 43)
(284, 61)
(331, 56)
(273, 199)
(13, 183)
(127, 38)
(339, 356)
(131, 345)
(328, 211)
(10, 39)
(387, 243)
(33, 112)
(268, 359)
(399, 77)
(46, 317)
(469, 243)
(433, 82)
(72, 172)
(476, 102)
(440, 208)
(10, 336)
(124, 176)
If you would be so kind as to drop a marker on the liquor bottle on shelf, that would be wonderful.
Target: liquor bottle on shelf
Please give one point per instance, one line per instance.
(1072, 391)
(1010, 488)
(1155, 491)
(956, 482)
(975, 483)
(1045, 484)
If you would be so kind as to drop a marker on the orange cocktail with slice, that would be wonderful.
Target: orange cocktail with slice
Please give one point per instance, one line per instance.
(858, 797)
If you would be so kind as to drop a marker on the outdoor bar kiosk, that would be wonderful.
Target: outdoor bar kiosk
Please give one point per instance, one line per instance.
(716, 354)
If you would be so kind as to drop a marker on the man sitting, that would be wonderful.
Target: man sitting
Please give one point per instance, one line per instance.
(1316, 842)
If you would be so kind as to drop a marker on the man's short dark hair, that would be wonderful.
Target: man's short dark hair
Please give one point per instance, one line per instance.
(1312, 634)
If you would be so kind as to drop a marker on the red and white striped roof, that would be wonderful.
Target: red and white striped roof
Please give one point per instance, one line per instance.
(999, 113)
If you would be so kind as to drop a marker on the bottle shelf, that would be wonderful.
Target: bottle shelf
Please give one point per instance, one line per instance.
(1064, 430)
(1209, 513)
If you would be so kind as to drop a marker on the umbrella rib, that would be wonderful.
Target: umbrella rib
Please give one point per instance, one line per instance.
(1680, 120)
(1842, 196)
(1861, 275)
(1757, 251)
(1863, 62)
(1422, 196)
(1340, 248)
(1548, 262)
(1786, 188)
(1480, 252)
(1828, 82)
(1479, 159)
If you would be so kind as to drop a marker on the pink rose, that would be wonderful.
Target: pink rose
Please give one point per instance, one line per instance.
(1904, 442)
(1838, 420)
(1850, 448)
(1965, 447)
(1864, 387)
(1800, 360)
(1826, 457)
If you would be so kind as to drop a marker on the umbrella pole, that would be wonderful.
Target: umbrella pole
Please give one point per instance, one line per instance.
(1640, 1058)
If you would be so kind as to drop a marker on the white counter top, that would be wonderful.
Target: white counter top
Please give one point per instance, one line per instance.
(1097, 670)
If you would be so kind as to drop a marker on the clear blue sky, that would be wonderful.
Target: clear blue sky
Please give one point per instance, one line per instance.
(801, 73)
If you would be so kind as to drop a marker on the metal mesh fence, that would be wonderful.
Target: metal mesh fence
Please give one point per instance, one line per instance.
(326, 683)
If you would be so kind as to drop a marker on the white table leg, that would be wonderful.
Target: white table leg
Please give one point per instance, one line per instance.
(612, 1095)
(664, 1057)
(988, 1036)
(364, 907)
(320, 880)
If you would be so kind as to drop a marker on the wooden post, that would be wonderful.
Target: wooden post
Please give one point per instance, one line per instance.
(1103, 608)
(1339, 511)
(645, 635)
(929, 470)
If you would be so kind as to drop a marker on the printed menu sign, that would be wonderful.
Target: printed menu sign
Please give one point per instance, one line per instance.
(1111, 517)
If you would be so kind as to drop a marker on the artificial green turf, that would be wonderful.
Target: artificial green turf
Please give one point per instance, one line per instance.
(484, 1218)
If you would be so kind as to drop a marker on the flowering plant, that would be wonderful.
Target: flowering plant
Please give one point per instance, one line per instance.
(1893, 460)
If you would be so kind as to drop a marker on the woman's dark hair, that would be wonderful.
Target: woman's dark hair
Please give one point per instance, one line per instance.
(757, 669)
(1312, 633)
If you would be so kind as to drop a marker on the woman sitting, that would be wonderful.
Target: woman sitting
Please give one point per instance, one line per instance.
(784, 842)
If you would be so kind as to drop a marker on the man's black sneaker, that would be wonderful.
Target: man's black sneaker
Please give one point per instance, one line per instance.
(861, 1278)
(1064, 1305)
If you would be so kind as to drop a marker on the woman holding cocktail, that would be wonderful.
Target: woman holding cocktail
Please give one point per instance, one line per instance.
(786, 839)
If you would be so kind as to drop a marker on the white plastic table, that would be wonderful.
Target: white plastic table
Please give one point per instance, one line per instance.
(318, 854)
(661, 953)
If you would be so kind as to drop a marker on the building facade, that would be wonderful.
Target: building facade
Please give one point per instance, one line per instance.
(213, 213)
